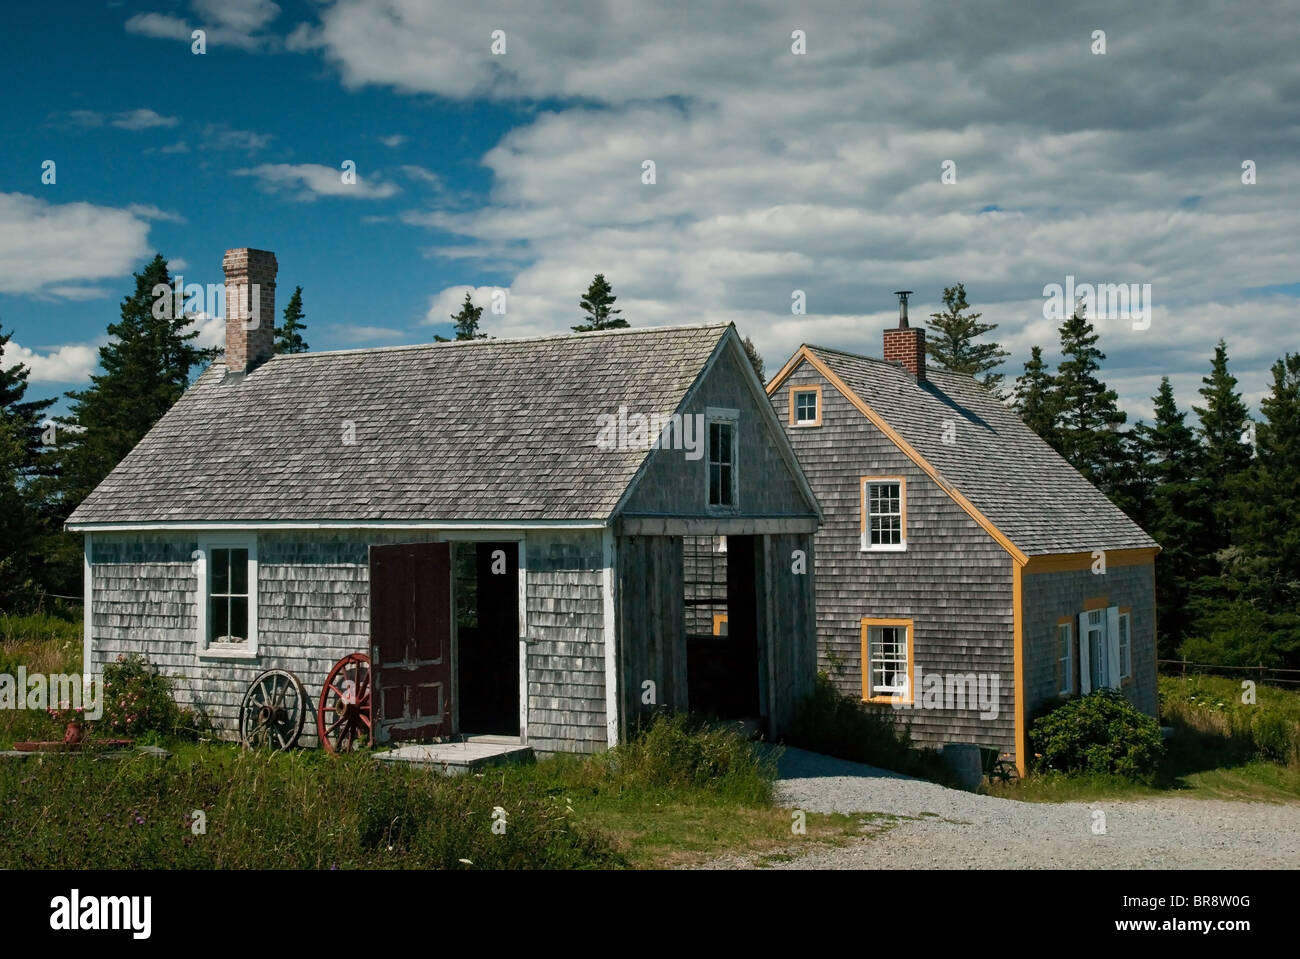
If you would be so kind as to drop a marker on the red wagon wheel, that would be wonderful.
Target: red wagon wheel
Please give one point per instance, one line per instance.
(345, 717)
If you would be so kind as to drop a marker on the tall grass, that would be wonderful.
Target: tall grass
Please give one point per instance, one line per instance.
(1209, 710)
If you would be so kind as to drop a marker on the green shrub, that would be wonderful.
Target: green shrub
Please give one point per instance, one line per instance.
(674, 750)
(138, 701)
(842, 726)
(1272, 736)
(1100, 733)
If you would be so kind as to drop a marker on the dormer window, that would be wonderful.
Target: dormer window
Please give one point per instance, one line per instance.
(884, 513)
(805, 406)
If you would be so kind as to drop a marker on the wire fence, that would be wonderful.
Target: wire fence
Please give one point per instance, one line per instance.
(1271, 675)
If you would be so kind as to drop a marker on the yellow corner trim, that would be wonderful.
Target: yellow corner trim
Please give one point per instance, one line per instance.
(1018, 653)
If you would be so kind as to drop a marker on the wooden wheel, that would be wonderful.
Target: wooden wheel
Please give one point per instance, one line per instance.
(274, 711)
(345, 718)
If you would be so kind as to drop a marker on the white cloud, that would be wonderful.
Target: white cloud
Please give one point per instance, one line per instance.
(138, 119)
(49, 246)
(393, 140)
(142, 119)
(234, 23)
(822, 172)
(307, 181)
(353, 333)
(72, 363)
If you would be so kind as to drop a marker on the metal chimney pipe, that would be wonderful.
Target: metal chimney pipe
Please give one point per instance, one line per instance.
(902, 307)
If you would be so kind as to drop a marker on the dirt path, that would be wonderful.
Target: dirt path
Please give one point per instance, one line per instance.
(940, 828)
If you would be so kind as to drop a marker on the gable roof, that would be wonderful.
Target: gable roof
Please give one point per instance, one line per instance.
(483, 430)
(1010, 480)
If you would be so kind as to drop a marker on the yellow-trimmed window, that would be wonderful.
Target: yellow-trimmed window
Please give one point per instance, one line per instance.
(806, 405)
(884, 513)
(887, 661)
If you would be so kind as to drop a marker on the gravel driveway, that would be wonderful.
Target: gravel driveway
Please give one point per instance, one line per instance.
(960, 830)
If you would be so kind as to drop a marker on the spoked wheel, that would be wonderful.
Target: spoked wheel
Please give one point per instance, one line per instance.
(273, 711)
(345, 718)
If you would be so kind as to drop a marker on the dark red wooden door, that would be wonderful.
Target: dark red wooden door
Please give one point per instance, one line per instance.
(410, 640)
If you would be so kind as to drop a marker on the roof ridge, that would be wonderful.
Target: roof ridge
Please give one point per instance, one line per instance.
(504, 339)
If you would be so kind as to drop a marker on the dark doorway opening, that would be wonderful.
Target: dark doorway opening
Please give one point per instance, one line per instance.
(721, 626)
(487, 630)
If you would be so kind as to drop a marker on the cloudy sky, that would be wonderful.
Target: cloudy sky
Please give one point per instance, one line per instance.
(523, 168)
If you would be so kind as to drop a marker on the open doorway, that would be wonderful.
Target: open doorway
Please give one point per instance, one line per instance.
(487, 630)
(721, 626)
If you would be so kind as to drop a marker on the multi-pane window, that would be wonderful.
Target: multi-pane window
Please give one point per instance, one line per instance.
(227, 595)
(722, 462)
(887, 666)
(1065, 658)
(883, 523)
(806, 412)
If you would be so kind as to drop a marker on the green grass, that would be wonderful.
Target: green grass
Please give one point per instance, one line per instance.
(42, 643)
(1220, 750)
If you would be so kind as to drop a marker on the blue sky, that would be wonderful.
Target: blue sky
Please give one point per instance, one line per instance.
(775, 171)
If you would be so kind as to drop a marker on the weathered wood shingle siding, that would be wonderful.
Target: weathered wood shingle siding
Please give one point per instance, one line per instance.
(313, 608)
(954, 580)
(673, 485)
(566, 648)
(1048, 597)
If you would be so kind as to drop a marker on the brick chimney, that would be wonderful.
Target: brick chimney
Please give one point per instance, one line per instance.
(250, 307)
(904, 344)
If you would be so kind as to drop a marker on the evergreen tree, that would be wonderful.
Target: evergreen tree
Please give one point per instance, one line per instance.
(1174, 513)
(288, 335)
(467, 320)
(755, 360)
(951, 341)
(1035, 398)
(19, 591)
(1224, 422)
(145, 367)
(23, 416)
(1089, 417)
(598, 303)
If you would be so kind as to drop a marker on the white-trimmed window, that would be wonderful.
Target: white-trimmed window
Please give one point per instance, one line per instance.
(887, 660)
(1064, 659)
(1125, 647)
(1102, 630)
(721, 427)
(227, 596)
(884, 513)
(806, 405)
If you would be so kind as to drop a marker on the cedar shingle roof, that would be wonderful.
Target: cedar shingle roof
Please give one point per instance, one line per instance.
(478, 430)
(1037, 499)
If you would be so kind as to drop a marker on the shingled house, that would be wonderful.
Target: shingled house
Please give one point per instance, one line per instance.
(967, 575)
(503, 525)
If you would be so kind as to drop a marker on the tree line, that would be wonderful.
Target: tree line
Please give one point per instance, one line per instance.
(1220, 494)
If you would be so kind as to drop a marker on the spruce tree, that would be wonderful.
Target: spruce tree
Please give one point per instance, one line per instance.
(1224, 421)
(1035, 398)
(23, 416)
(755, 359)
(598, 303)
(1175, 512)
(951, 341)
(288, 335)
(145, 367)
(1089, 417)
(467, 320)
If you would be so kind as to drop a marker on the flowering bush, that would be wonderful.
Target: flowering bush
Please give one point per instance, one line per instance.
(65, 713)
(138, 699)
